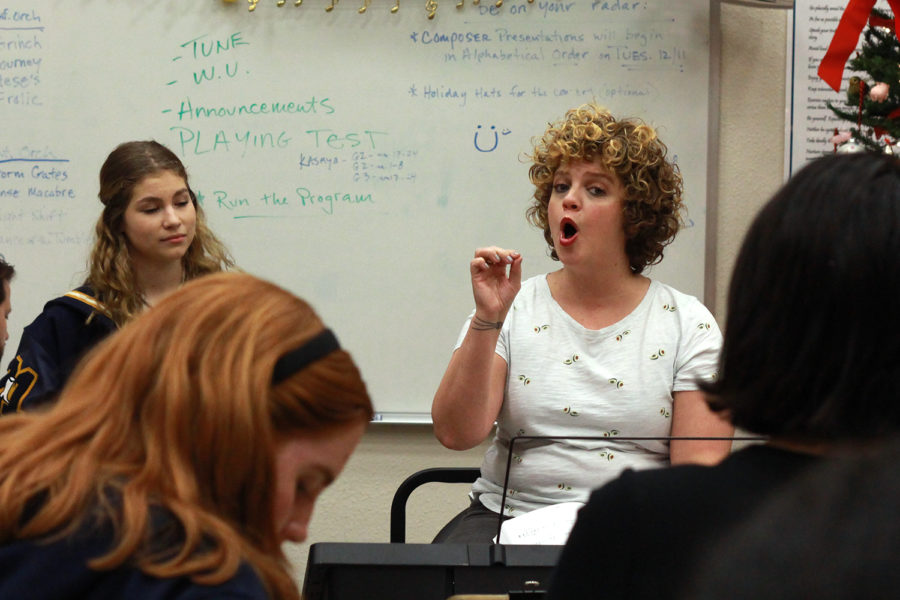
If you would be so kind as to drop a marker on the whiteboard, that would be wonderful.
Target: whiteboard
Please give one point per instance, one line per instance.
(357, 159)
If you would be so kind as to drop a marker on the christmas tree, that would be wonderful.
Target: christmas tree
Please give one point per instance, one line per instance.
(873, 96)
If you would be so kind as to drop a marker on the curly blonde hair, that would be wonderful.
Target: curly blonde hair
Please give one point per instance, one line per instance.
(110, 270)
(629, 148)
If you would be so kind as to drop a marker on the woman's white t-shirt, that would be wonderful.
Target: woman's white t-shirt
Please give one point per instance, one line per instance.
(566, 380)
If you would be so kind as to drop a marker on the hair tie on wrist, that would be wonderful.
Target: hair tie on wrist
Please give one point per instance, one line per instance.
(315, 348)
(480, 324)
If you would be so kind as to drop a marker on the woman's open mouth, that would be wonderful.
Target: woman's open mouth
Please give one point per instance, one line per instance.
(568, 232)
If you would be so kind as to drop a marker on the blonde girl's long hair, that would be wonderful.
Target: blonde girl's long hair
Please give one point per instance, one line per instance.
(110, 272)
(178, 411)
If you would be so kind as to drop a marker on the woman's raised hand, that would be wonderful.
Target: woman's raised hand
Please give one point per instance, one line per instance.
(493, 287)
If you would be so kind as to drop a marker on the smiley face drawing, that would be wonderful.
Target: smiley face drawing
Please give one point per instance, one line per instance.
(493, 133)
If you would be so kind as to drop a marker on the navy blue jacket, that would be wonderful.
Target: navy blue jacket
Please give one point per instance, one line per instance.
(59, 570)
(51, 346)
(38, 570)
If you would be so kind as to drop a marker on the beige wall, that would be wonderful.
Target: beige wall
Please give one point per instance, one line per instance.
(750, 164)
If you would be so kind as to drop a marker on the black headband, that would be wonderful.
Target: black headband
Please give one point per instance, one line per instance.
(315, 348)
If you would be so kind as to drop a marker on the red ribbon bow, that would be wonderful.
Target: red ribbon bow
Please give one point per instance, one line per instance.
(846, 36)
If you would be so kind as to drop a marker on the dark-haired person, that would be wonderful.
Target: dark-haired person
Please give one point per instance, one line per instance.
(808, 361)
(150, 238)
(832, 534)
(594, 348)
(6, 274)
(184, 450)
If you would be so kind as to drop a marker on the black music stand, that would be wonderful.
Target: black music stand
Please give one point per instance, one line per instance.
(353, 571)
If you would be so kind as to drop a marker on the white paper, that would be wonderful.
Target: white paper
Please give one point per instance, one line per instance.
(547, 526)
(811, 123)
